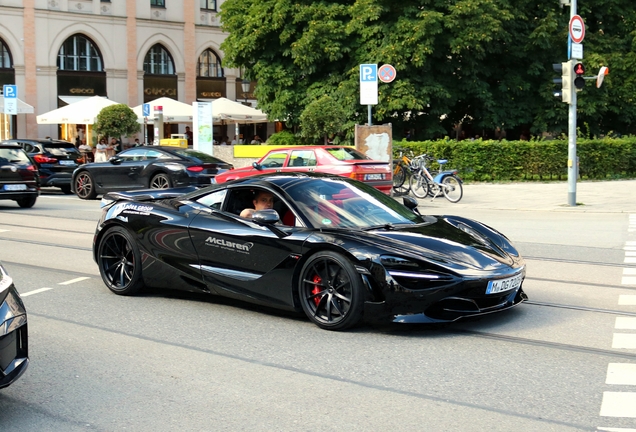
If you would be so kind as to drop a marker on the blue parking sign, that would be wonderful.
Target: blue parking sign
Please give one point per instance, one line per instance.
(368, 73)
(10, 91)
(146, 110)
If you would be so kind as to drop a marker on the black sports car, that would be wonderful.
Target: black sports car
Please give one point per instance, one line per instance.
(155, 167)
(333, 247)
(14, 348)
(18, 176)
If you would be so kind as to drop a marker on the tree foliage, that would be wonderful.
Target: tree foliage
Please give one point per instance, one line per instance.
(487, 63)
(116, 121)
(321, 118)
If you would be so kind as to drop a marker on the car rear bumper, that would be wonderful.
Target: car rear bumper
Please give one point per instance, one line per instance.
(383, 186)
(57, 179)
(31, 191)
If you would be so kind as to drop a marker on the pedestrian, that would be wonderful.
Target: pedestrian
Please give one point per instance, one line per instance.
(101, 150)
(189, 136)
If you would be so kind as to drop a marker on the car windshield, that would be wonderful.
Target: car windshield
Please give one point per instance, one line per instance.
(346, 153)
(60, 149)
(342, 203)
(203, 157)
(12, 155)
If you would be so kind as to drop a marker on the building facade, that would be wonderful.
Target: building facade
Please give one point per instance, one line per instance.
(131, 51)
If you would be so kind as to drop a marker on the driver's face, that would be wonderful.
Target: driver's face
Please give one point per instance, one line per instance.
(264, 200)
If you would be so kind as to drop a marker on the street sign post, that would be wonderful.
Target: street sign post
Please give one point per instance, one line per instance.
(369, 86)
(10, 93)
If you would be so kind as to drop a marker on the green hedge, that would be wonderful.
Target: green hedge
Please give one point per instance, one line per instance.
(599, 159)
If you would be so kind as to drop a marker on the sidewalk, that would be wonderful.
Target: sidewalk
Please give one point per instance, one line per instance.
(618, 196)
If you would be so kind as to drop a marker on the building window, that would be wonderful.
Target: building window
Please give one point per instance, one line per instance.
(158, 61)
(78, 53)
(160, 3)
(209, 65)
(5, 56)
(208, 4)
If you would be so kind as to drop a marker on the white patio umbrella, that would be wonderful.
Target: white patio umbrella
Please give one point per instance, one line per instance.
(23, 107)
(173, 111)
(235, 112)
(82, 112)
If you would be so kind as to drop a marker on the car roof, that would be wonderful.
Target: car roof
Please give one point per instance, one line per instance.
(10, 145)
(38, 141)
(283, 179)
(310, 147)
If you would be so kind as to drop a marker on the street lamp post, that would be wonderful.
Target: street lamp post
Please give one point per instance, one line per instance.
(245, 85)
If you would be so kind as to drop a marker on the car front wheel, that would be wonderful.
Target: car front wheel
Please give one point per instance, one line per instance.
(331, 292)
(85, 186)
(119, 262)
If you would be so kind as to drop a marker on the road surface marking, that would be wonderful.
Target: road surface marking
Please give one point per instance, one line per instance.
(627, 300)
(625, 323)
(618, 404)
(625, 341)
(604, 429)
(72, 281)
(630, 260)
(37, 291)
(621, 374)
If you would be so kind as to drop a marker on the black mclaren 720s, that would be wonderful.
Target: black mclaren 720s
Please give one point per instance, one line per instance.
(334, 248)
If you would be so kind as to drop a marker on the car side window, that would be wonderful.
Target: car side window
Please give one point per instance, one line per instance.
(213, 200)
(274, 160)
(302, 158)
(153, 154)
(133, 155)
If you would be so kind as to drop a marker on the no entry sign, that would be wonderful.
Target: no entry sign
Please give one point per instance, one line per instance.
(577, 29)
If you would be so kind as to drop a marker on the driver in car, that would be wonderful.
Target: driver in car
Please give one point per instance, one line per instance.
(262, 201)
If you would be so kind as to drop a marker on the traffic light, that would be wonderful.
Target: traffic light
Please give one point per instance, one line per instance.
(579, 71)
(564, 89)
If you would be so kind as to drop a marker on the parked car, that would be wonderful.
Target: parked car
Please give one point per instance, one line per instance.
(152, 167)
(338, 160)
(55, 159)
(331, 247)
(18, 176)
(14, 344)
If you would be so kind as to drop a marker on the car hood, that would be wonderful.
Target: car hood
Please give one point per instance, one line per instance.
(449, 241)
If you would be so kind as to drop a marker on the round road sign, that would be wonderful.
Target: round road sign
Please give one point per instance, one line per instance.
(386, 73)
(577, 29)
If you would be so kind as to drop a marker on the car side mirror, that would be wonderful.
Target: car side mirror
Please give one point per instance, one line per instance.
(115, 160)
(257, 166)
(410, 202)
(266, 217)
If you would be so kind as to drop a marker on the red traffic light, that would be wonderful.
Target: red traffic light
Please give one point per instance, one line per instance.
(579, 69)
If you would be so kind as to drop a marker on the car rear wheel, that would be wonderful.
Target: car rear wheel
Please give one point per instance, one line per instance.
(160, 181)
(85, 186)
(26, 202)
(119, 262)
(331, 292)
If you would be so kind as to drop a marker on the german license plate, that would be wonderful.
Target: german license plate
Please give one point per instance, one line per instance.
(502, 285)
(15, 187)
(374, 176)
(67, 162)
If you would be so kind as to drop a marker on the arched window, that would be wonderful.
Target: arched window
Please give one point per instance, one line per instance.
(158, 61)
(209, 65)
(78, 53)
(5, 56)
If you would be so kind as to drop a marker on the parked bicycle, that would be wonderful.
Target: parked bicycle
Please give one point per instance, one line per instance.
(446, 182)
(401, 167)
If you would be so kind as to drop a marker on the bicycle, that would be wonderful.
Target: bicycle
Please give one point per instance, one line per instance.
(448, 183)
(400, 169)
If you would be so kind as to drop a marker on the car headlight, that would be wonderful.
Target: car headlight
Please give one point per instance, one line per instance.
(5, 279)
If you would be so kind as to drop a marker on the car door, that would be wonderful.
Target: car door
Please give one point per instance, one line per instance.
(301, 161)
(122, 172)
(275, 161)
(242, 259)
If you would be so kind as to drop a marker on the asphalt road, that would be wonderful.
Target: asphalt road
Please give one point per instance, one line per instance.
(176, 361)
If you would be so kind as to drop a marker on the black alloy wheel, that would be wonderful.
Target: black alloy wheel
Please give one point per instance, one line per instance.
(160, 181)
(331, 292)
(27, 202)
(85, 186)
(119, 262)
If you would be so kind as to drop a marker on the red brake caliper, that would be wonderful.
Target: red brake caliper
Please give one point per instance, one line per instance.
(316, 289)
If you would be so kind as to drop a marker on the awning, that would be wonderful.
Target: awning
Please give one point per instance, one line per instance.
(23, 107)
(72, 99)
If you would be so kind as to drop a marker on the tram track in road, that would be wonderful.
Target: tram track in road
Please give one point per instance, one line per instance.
(46, 228)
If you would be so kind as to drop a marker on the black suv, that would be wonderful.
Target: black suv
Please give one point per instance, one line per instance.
(55, 159)
(18, 178)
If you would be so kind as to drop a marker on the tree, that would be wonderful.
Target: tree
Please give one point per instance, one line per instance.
(321, 118)
(116, 121)
(488, 61)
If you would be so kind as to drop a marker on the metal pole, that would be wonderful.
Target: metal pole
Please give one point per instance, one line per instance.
(572, 165)
(369, 115)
